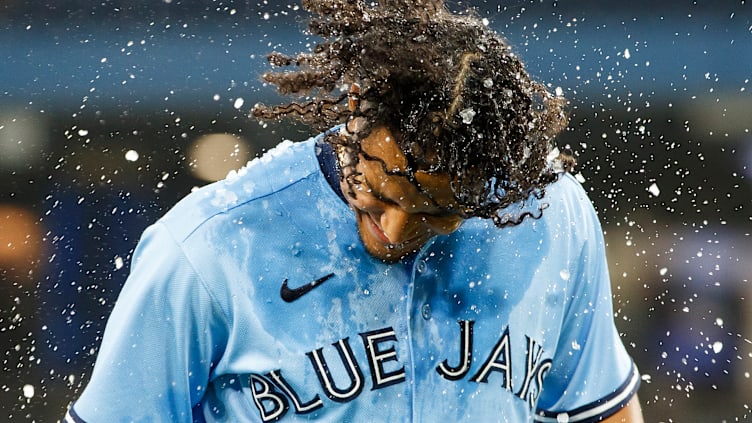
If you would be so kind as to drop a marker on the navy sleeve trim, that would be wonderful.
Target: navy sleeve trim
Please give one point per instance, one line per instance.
(598, 410)
(72, 417)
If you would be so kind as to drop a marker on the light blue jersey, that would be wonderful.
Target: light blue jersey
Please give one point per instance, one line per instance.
(254, 300)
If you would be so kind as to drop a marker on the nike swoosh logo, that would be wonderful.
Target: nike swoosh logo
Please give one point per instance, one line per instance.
(292, 294)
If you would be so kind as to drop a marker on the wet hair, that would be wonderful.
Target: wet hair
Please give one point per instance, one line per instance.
(451, 90)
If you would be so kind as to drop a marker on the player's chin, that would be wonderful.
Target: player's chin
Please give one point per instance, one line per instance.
(377, 248)
(389, 255)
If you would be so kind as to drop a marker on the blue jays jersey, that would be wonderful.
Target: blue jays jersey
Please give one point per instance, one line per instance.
(253, 300)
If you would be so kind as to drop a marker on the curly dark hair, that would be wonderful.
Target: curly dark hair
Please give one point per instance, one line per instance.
(455, 95)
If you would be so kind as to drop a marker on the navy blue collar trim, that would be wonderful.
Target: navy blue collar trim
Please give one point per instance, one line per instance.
(329, 166)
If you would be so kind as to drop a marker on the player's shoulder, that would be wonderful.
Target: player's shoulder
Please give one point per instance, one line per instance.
(278, 169)
(566, 195)
(564, 203)
(566, 185)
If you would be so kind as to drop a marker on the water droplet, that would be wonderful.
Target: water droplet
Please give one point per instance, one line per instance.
(131, 155)
(467, 115)
(28, 391)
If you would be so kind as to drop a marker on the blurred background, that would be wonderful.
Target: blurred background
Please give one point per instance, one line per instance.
(111, 111)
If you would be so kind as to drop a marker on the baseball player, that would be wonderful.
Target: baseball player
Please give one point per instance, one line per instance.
(420, 260)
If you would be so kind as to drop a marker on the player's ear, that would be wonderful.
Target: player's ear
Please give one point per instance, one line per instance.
(353, 98)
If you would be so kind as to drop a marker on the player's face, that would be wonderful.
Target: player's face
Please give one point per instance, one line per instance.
(396, 217)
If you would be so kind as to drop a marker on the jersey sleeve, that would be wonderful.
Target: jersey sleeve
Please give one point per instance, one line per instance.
(160, 342)
(592, 375)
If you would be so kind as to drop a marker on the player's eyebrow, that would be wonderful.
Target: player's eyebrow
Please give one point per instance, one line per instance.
(437, 211)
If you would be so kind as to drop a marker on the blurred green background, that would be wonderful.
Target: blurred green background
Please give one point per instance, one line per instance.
(111, 111)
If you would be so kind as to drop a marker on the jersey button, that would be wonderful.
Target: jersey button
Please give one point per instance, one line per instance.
(421, 266)
(425, 311)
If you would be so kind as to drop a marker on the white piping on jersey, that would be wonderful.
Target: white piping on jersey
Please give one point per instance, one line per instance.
(600, 409)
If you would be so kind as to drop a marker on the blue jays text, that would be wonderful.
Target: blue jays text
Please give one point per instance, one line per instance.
(274, 396)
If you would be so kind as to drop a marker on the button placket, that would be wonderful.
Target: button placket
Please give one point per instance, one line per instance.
(422, 270)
